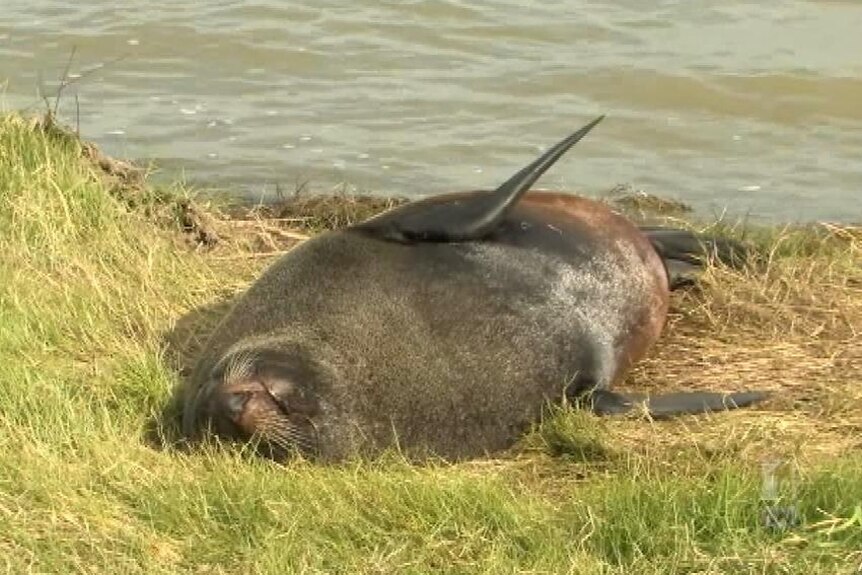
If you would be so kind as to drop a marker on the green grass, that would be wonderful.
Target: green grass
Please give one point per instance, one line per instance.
(90, 288)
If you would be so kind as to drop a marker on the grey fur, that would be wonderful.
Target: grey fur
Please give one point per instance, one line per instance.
(450, 349)
(442, 327)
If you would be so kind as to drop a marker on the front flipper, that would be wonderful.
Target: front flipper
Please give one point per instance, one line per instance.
(464, 218)
(604, 402)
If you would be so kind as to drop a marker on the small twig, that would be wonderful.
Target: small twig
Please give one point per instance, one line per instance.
(252, 255)
(64, 79)
(294, 220)
(77, 117)
(261, 225)
(842, 231)
(257, 221)
(67, 81)
(285, 233)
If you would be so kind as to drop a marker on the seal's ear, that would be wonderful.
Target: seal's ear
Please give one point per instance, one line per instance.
(464, 218)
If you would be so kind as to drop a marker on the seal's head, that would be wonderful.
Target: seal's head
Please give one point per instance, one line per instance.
(261, 397)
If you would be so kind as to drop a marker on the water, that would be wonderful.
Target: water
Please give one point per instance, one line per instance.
(750, 106)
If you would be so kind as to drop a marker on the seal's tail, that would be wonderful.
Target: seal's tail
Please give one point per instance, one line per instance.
(671, 404)
(684, 252)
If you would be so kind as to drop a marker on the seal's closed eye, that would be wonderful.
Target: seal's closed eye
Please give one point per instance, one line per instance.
(234, 403)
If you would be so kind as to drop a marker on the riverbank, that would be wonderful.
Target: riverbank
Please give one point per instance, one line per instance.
(100, 273)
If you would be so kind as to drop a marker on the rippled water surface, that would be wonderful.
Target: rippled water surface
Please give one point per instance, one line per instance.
(752, 106)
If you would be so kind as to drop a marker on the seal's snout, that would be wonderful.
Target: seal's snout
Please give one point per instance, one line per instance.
(264, 397)
(261, 408)
(248, 405)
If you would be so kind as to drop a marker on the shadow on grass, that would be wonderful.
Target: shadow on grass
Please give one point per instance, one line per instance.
(182, 347)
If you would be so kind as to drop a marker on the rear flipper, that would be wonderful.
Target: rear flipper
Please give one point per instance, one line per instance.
(604, 402)
(684, 253)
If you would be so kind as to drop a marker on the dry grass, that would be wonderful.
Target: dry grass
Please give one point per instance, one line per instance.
(97, 267)
(790, 323)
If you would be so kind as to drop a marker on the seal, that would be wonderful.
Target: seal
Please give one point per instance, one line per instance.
(444, 327)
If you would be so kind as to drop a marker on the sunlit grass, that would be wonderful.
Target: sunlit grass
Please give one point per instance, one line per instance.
(91, 289)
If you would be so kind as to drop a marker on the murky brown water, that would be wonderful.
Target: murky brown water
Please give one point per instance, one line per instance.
(751, 105)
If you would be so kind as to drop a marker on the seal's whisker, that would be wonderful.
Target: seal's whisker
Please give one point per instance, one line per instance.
(278, 441)
(286, 444)
(240, 366)
(292, 435)
(272, 420)
(300, 438)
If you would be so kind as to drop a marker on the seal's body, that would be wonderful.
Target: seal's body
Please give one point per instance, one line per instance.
(443, 327)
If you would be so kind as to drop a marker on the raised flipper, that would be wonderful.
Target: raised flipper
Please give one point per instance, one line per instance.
(685, 252)
(604, 402)
(465, 218)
